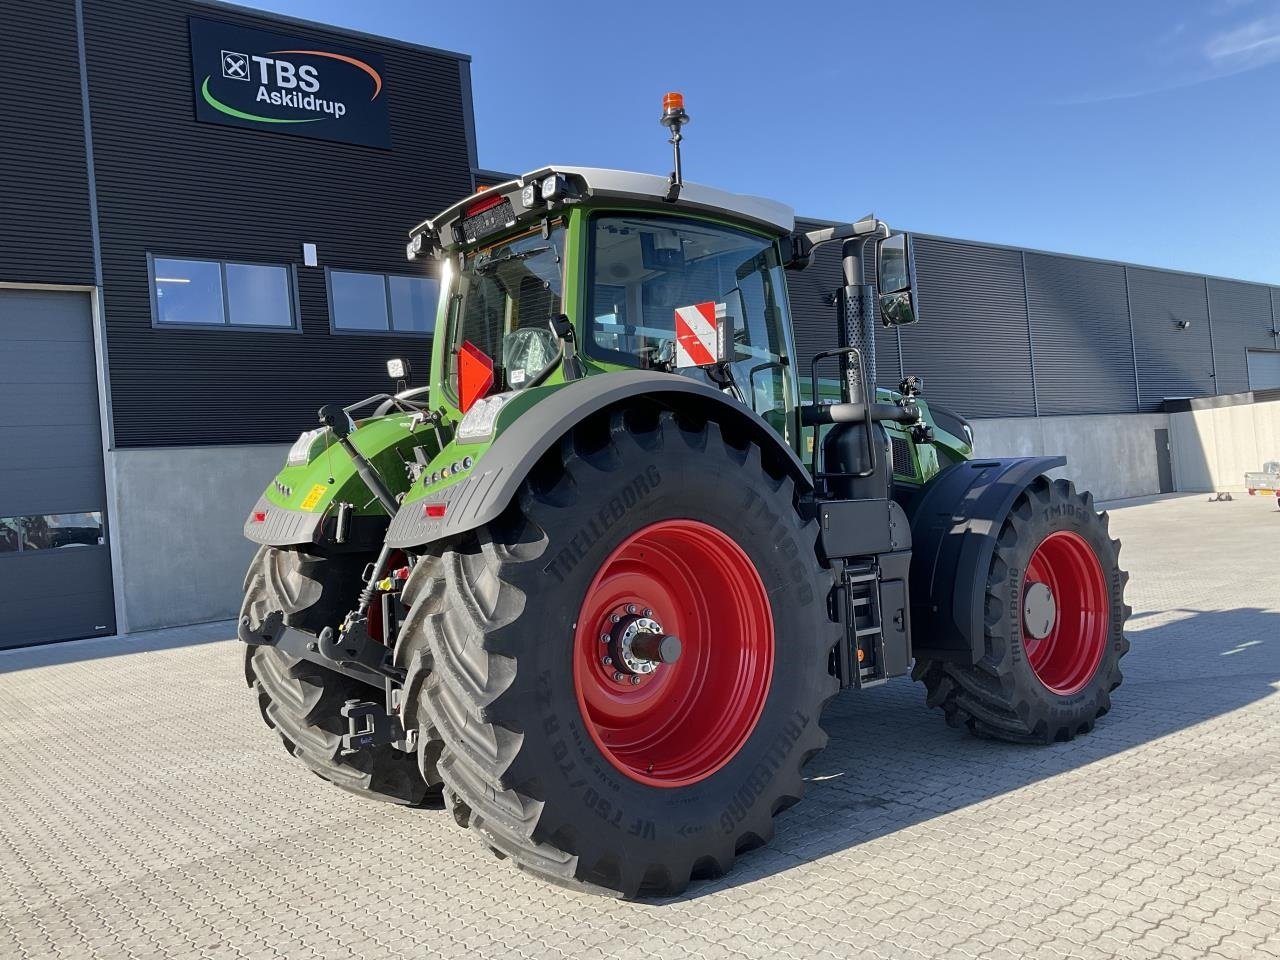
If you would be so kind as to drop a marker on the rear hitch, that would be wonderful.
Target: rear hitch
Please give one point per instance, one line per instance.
(369, 725)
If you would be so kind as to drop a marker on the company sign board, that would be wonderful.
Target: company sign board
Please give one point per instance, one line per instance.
(269, 81)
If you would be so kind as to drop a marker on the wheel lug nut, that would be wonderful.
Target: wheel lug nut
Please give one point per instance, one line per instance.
(648, 612)
(617, 676)
(631, 609)
(604, 638)
(607, 661)
(615, 618)
(635, 681)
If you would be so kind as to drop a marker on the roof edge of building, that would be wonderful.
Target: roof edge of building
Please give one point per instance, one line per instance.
(331, 27)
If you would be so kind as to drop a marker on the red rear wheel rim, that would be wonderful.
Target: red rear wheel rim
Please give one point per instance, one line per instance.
(687, 719)
(1066, 659)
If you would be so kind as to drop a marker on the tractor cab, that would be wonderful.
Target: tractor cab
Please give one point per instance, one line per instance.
(569, 272)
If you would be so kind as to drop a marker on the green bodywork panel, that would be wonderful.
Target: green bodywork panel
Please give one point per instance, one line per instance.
(331, 477)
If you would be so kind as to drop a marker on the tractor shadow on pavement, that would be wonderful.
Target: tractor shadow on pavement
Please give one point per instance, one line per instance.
(892, 762)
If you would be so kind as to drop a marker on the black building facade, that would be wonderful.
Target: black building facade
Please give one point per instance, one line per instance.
(202, 222)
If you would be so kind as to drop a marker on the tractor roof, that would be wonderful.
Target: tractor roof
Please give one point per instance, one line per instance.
(597, 182)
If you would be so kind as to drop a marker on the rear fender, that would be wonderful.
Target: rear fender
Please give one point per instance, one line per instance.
(483, 494)
(954, 525)
(301, 504)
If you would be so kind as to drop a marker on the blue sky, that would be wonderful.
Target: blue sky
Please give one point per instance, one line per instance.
(1142, 130)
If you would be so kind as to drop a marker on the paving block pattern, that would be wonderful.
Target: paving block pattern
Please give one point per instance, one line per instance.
(147, 812)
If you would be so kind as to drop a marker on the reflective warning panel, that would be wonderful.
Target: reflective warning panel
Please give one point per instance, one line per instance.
(700, 334)
(287, 84)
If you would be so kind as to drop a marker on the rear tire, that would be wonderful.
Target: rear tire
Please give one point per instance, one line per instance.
(502, 621)
(302, 700)
(1029, 689)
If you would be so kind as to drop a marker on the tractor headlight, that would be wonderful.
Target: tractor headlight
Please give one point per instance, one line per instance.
(477, 423)
(529, 196)
(302, 451)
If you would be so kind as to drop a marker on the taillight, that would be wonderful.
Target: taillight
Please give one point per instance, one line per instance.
(475, 375)
(480, 206)
(435, 510)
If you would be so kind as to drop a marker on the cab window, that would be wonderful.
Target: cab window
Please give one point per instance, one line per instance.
(646, 266)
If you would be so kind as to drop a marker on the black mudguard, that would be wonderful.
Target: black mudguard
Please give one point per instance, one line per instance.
(954, 525)
(482, 496)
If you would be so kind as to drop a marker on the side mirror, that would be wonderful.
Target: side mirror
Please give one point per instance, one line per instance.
(896, 280)
(398, 369)
(704, 333)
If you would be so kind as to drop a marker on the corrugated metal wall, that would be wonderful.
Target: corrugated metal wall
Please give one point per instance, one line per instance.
(1079, 321)
(1242, 321)
(1172, 361)
(972, 346)
(992, 315)
(170, 185)
(45, 235)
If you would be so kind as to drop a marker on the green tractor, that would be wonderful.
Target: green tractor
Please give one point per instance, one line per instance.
(592, 587)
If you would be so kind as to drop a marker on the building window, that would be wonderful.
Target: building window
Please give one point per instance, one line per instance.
(382, 303)
(216, 293)
(50, 532)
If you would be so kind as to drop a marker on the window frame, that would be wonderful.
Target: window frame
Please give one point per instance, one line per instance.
(291, 272)
(390, 330)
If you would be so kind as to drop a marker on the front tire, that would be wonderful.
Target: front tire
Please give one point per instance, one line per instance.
(630, 784)
(1054, 627)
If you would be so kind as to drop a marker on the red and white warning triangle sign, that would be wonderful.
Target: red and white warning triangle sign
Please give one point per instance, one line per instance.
(697, 334)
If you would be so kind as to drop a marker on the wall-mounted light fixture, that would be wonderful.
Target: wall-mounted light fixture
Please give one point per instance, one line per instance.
(1182, 324)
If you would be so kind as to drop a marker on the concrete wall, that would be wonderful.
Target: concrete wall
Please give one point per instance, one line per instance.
(1114, 455)
(1214, 448)
(176, 517)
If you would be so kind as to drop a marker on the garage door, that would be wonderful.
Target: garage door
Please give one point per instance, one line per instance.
(55, 568)
(1264, 369)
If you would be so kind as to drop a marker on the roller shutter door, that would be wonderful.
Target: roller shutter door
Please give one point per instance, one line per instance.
(55, 567)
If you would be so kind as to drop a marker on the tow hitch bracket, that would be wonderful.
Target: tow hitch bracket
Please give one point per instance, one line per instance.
(369, 725)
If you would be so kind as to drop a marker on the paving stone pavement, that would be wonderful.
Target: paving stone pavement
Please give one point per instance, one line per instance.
(146, 811)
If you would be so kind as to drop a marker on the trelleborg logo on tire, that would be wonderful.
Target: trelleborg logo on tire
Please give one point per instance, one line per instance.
(252, 78)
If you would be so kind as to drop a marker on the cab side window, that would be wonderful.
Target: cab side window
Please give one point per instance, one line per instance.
(646, 266)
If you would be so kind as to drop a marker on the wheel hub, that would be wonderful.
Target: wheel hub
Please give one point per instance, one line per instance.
(638, 644)
(1039, 610)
